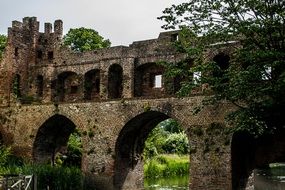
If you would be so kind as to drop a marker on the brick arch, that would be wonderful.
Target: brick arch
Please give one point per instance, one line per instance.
(53, 131)
(129, 148)
(39, 121)
(249, 153)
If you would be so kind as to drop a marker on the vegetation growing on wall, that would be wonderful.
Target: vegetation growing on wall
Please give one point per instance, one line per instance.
(3, 42)
(254, 81)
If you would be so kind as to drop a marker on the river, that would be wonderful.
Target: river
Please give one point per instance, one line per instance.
(272, 178)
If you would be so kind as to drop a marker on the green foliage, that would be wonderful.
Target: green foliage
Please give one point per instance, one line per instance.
(56, 177)
(176, 143)
(166, 138)
(170, 125)
(254, 81)
(3, 43)
(166, 166)
(5, 153)
(9, 164)
(84, 39)
(155, 142)
(72, 158)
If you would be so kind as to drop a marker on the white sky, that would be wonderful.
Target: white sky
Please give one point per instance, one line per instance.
(120, 21)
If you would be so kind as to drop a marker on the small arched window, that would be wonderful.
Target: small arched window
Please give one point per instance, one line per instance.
(223, 62)
(39, 85)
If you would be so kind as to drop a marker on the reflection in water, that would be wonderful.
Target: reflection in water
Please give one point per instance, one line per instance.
(272, 178)
(173, 183)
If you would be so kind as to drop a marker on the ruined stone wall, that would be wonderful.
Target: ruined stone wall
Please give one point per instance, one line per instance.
(38, 59)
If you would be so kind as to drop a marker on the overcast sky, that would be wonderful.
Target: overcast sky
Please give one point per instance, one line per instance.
(120, 21)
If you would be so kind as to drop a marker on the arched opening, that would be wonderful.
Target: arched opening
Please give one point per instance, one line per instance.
(16, 86)
(115, 80)
(223, 62)
(129, 170)
(52, 138)
(166, 157)
(39, 86)
(92, 85)
(242, 152)
(68, 86)
(253, 160)
(149, 80)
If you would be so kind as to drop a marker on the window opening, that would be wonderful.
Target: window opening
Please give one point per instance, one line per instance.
(157, 81)
(197, 77)
(50, 55)
(39, 54)
(266, 74)
(16, 53)
(174, 37)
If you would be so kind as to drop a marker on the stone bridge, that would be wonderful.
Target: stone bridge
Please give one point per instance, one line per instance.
(114, 97)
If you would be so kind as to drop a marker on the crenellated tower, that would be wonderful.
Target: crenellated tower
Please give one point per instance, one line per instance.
(26, 48)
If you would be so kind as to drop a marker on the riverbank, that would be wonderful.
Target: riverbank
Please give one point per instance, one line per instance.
(166, 165)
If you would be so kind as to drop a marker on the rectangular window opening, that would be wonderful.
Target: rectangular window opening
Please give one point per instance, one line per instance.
(157, 81)
(174, 37)
(39, 54)
(50, 55)
(197, 77)
(16, 53)
(266, 75)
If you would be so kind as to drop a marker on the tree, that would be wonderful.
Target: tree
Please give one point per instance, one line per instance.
(3, 41)
(166, 138)
(84, 39)
(254, 81)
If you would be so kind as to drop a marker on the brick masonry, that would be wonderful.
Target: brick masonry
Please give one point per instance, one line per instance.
(110, 96)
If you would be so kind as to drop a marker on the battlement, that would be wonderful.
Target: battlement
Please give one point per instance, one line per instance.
(58, 28)
(27, 23)
(31, 24)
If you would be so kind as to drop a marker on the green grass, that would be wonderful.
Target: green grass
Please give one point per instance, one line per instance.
(166, 166)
